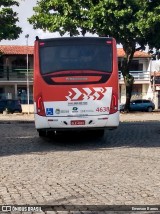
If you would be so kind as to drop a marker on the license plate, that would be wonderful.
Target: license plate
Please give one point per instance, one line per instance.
(78, 122)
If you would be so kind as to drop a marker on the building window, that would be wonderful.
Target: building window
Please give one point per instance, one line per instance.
(119, 65)
(136, 66)
(1, 68)
(22, 94)
(137, 91)
(19, 67)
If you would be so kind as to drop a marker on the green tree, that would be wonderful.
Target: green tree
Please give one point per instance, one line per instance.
(133, 23)
(8, 19)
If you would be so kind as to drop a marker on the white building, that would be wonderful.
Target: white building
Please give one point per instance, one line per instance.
(140, 69)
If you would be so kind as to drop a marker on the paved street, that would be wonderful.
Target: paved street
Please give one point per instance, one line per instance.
(75, 168)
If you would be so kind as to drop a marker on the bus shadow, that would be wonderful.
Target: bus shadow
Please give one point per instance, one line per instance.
(24, 139)
(128, 134)
(76, 140)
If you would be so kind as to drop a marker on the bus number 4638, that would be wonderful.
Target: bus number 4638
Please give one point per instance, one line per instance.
(102, 109)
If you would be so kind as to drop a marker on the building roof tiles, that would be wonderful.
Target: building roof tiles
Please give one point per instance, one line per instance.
(22, 50)
(138, 54)
(16, 49)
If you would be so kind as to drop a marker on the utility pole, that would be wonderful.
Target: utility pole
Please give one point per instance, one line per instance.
(26, 36)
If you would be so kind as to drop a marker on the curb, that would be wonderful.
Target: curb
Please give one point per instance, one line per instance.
(15, 121)
(139, 121)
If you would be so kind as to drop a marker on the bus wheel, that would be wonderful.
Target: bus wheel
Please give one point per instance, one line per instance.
(42, 133)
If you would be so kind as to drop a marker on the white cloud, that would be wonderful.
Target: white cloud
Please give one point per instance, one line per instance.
(43, 35)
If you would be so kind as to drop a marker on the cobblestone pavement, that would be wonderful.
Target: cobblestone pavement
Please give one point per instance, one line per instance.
(123, 168)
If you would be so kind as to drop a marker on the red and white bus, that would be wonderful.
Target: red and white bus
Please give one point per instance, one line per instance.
(76, 84)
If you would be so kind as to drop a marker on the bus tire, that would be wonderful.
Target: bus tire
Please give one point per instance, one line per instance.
(42, 133)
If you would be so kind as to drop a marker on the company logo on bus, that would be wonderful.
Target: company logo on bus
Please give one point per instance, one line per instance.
(75, 109)
(96, 93)
(57, 111)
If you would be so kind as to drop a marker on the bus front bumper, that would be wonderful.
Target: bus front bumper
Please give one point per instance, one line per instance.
(68, 123)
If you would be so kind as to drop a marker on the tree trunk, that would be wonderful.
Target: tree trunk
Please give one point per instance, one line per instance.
(128, 78)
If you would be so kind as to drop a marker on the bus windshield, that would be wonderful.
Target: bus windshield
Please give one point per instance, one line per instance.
(67, 57)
